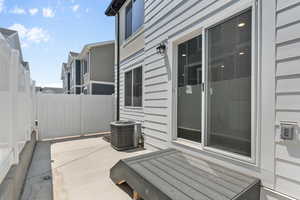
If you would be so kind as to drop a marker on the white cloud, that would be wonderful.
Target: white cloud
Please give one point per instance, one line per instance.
(48, 12)
(18, 11)
(75, 7)
(30, 35)
(37, 35)
(1, 5)
(33, 11)
(87, 10)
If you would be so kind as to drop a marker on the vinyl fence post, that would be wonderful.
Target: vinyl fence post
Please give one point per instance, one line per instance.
(14, 84)
(80, 114)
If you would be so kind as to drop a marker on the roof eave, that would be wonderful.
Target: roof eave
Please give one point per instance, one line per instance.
(110, 11)
(114, 7)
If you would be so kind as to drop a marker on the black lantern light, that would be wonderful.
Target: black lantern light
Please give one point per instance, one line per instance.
(161, 49)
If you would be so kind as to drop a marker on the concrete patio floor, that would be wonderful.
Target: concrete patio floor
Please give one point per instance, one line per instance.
(75, 169)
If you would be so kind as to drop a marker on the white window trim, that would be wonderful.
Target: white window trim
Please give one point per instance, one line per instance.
(124, 87)
(103, 82)
(192, 32)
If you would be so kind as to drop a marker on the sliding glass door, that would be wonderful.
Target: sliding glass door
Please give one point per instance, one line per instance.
(226, 88)
(229, 85)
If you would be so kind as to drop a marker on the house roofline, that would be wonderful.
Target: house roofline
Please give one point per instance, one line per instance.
(10, 35)
(72, 56)
(114, 7)
(87, 47)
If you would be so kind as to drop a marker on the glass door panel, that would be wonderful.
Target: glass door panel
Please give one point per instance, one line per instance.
(229, 85)
(189, 92)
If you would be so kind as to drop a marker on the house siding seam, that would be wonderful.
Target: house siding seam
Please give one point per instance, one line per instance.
(287, 165)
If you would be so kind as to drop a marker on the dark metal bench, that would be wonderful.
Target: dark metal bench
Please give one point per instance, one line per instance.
(172, 175)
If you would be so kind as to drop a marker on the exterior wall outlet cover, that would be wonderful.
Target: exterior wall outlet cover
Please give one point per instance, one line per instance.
(288, 130)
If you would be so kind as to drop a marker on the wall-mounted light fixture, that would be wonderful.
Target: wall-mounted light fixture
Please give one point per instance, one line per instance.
(161, 49)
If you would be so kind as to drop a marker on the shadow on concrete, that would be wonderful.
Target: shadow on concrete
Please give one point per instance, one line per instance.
(38, 184)
(127, 189)
(106, 138)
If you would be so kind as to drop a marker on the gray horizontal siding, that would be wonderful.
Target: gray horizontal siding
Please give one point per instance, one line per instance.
(287, 94)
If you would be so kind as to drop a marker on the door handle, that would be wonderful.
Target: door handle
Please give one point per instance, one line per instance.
(202, 87)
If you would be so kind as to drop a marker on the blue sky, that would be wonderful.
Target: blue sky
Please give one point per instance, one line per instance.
(49, 29)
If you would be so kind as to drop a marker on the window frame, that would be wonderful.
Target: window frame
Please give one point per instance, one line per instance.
(250, 159)
(201, 29)
(132, 87)
(85, 69)
(133, 33)
(130, 3)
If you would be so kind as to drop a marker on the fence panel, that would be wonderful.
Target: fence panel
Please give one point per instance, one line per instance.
(5, 109)
(97, 113)
(62, 115)
(16, 106)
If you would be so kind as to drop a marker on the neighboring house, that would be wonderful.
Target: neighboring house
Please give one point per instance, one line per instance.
(91, 71)
(12, 39)
(74, 65)
(216, 79)
(49, 90)
(66, 78)
(97, 67)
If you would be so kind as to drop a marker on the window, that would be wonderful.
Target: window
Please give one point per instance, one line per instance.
(134, 17)
(134, 87)
(85, 67)
(128, 22)
(78, 72)
(69, 81)
(229, 85)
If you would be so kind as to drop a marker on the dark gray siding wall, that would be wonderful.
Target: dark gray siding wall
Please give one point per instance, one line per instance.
(102, 89)
(68, 81)
(78, 90)
(102, 63)
(78, 73)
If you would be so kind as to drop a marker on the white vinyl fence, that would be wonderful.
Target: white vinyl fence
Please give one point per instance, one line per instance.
(61, 115)
(58, 115)
(17, 96)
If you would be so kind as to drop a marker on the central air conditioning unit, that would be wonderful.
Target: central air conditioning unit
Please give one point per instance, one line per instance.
(123, 135)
